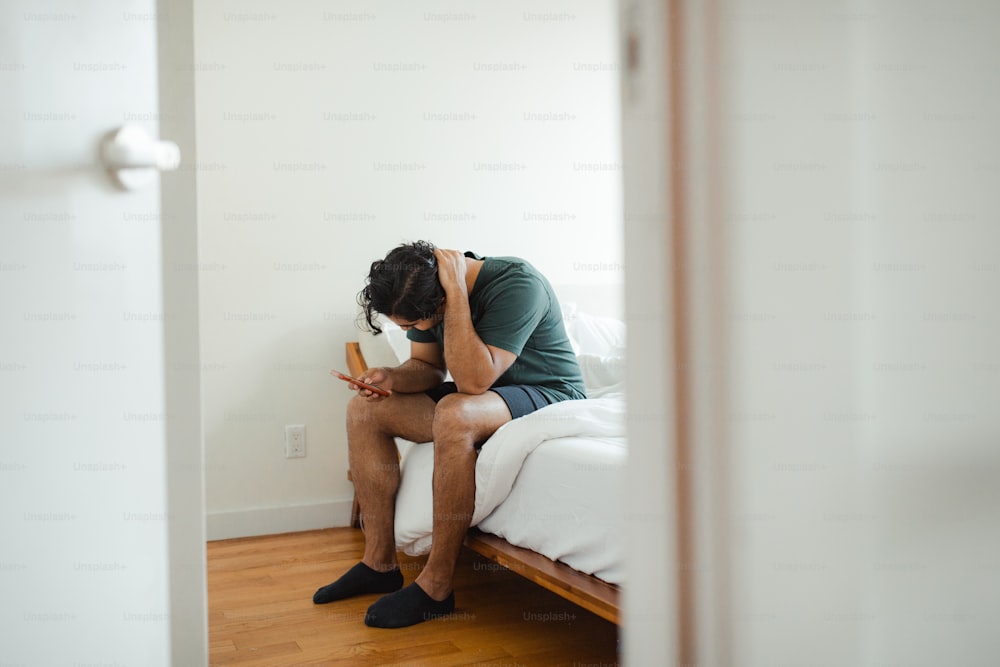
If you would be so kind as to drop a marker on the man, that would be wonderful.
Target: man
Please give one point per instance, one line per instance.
(495, 324)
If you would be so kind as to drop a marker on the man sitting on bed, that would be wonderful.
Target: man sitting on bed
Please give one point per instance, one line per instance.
(497, 323)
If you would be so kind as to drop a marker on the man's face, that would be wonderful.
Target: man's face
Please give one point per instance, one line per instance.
(422, 325)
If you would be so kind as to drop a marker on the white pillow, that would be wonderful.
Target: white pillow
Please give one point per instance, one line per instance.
(389, 348)
(602, 375)
(594, 334)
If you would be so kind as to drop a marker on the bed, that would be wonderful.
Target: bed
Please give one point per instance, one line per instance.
(549, 486)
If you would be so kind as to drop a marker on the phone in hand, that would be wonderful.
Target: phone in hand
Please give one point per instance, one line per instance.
(375, 389)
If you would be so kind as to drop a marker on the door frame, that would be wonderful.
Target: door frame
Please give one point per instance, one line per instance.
(675, 268)
(179, 233)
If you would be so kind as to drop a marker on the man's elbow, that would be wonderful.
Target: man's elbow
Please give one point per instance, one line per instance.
(473, 388)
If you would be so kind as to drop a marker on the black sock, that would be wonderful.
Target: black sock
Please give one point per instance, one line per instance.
(359, 580)
(407, 607)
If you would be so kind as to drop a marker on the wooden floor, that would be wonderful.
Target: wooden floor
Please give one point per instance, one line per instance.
(261, 612)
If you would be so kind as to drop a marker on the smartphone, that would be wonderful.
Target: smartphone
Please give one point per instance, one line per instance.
(364, 385)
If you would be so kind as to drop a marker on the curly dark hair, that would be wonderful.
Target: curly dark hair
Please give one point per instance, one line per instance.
(405, 284)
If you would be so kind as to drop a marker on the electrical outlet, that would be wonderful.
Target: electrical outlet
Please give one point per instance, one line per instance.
(295, 441)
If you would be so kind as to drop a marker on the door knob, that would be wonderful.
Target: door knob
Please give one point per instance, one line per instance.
(133, 158)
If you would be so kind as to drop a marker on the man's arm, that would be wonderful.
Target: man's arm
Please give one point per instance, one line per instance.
(424, 369)
(474, 365)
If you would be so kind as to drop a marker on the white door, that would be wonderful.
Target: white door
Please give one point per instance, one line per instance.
(84, 503)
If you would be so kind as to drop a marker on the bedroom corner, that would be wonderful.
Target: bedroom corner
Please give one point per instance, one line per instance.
(502, 138)
(301, 189)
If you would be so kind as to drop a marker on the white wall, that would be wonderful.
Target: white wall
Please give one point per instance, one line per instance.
(930, 274)
(795, 392)
(862, 275)
(329, 133)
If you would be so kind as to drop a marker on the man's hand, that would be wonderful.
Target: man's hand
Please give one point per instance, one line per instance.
(376, 376)
(451, 271)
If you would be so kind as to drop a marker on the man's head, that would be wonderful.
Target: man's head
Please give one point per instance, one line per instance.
(404, 286)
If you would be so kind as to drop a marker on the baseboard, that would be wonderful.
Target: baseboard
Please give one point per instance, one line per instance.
(274, 520)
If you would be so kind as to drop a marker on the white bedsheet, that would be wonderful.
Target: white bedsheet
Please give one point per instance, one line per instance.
(568, 504)
(577, 473)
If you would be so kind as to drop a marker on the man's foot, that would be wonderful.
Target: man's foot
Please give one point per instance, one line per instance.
(407, 607)
(359, 580)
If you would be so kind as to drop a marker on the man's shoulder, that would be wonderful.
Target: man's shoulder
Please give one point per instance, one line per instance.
(507, 266)
(512, 274)
(506, 260)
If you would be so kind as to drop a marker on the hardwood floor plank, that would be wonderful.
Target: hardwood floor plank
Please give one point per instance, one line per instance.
(221, 646)
(283, 653)
(261, 612)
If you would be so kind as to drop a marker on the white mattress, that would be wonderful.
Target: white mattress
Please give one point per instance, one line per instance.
(568, 504)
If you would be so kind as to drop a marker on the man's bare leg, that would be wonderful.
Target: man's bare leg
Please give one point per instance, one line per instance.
(374, 461)
(460, 421)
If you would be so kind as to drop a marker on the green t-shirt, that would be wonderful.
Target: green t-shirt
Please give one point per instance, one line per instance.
(514, 308)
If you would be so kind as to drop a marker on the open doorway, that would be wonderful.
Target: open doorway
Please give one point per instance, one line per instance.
(327, 137)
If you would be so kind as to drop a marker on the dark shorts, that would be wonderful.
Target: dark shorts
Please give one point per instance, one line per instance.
(521, 399)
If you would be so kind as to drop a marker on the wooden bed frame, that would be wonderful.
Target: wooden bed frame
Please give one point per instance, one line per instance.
(587, 591)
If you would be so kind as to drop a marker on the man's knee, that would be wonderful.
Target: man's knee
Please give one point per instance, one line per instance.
(455, 420)
(362, 413)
